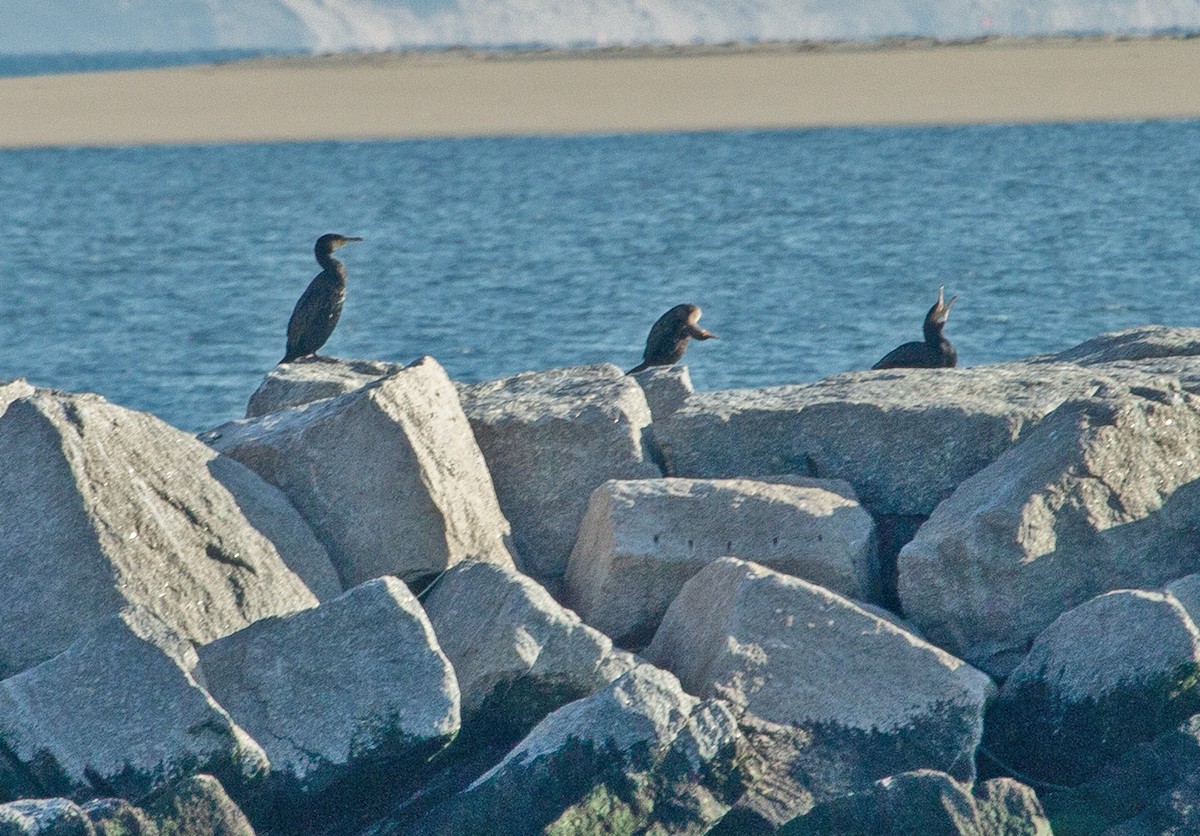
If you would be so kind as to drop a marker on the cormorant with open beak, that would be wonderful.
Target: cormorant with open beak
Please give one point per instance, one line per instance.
(935, 352)
(669, 337)
(316, 314)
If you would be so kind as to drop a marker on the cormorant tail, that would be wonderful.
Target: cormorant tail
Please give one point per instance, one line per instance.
(639, 368)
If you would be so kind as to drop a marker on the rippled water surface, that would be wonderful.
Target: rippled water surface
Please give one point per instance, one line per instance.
(163, 278)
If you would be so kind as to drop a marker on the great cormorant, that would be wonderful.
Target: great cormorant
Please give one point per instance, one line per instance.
(669, 337)
(935, 352)
(316, 314)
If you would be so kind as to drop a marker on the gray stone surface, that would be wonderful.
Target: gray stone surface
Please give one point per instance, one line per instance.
(666, 388)
(928, 803)
(550, 438)
(833, 696)
(102, 508)
(1152, 789)
(117, 817)
(358, 680)
(642, 539)
(388, 476)
(517, 653)
(294, 384)
(1146, 342)
(638, 756)
(199, 806)
(116, 714)
(1102, 495)
(904, 438)
(44, 817)
(1118, 670)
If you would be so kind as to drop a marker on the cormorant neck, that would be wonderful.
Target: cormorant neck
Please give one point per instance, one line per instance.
(327, 261)
(933, 333)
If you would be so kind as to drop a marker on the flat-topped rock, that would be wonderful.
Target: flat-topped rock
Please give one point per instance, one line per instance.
(550, 438)
(305, 381)
(389, 476)
(103, 508)
(517, 653)
(904, 438)
(928, 803)
(1146, 342)
(643, 539)
(638, 756)
(44, 817)
(1102, 495)
(835, 696)
(1115, 671)
(334, 692)
(116, 714)
(666, 388)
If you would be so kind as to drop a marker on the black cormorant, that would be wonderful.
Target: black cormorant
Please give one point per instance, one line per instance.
(669, 337)
(935, 353)
(316, 314)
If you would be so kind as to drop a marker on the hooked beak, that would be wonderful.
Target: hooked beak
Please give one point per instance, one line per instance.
(348, 240)
(943, 307)
(700, 334)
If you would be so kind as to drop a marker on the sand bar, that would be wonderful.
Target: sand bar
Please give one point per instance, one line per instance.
(464, 93)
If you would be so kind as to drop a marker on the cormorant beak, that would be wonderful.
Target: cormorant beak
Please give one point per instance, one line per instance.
(700, 334)
(350, 240)
(943, 307)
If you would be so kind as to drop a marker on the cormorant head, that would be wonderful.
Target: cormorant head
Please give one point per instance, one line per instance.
(331, 241)
(940, 311)
(686, 317)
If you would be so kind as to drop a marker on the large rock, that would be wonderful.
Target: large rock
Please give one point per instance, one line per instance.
(295, 384)
(551, 438)
(834, 696)
(1118, 670)
(199, 806)
(44, 817)
(928, 803)
(117, 714)
(389, 476)
(1146, 342)
(1154, 788)
(639, 756)
(904, 438)
(352, 687)
(1101, 495)
(666, 388)
(641, 541)
(103, 508)
(517, 653)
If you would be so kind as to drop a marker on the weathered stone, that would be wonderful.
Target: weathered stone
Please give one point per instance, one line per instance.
(115, 714)
(1102, 495)
(666, 389)
(638, 756)
(44, 817)
(904, 438)
(550, 438)
(517, 653)
(835, 697)
(641, 540)
(355, 685)
(1147, 342)
(102, 508)
(295, 384)
(1154, 788)
(199, 806)
(389, 476)
(1115, 671)
(928, 803)
(117, 817)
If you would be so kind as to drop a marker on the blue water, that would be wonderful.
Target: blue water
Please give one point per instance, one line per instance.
(86, 62)
(163, 278)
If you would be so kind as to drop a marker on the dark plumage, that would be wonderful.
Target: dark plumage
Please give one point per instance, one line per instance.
(669, 337)
(935, 352)
(316, 314)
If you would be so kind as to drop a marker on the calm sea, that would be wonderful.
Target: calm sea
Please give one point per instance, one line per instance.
(163, 278)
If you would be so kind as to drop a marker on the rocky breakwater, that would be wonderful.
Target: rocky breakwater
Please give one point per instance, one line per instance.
(350, 614)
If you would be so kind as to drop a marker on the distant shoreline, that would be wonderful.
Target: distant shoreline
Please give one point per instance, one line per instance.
(459, 92)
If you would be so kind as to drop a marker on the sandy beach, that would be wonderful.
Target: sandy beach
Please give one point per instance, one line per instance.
(649, 89)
